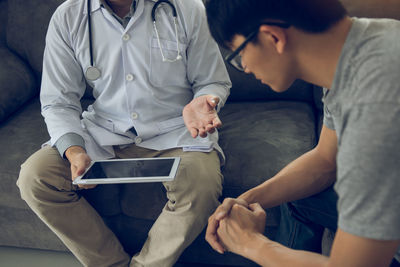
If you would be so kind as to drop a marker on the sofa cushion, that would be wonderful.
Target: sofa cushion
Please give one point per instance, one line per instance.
(29, 42)
(20, 136)
(17, 83)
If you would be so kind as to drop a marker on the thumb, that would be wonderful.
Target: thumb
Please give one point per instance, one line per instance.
(81, 167)
(213, 100)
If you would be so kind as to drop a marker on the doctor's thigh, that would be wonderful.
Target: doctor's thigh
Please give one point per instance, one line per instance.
(46, 186)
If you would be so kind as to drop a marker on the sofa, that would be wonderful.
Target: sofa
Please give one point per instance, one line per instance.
(262, 131)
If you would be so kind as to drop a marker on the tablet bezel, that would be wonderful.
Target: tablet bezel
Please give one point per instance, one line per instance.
(79, 181)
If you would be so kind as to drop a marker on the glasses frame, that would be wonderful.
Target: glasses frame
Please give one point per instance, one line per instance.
(229, 58)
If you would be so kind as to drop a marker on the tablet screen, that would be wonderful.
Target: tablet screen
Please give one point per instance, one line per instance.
(130, 168)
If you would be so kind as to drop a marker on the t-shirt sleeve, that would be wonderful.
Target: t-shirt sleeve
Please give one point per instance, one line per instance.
(368, 175)
(328, 119)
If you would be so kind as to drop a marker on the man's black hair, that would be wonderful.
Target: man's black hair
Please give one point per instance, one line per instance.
(226, 18)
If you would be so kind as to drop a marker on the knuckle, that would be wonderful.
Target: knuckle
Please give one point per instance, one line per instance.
(227, 200)
(236, 207)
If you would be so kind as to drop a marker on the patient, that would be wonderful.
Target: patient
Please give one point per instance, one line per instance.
(358, 62)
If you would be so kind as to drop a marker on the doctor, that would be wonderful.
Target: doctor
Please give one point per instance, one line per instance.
(158, 81)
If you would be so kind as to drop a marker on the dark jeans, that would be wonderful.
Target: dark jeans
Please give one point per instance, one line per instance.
(303, 221)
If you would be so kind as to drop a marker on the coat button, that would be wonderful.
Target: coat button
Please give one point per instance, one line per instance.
(126, 37)
(129, 77)
(134, 115)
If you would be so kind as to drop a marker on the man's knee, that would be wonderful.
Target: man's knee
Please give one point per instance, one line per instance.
(38, 171)
(199, 182)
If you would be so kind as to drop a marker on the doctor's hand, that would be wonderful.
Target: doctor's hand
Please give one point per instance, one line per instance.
(200, 116)
(219, 214)
(239, 230)
(79, 161)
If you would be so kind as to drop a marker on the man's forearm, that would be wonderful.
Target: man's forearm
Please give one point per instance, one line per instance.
(307, 175)
(271, 254)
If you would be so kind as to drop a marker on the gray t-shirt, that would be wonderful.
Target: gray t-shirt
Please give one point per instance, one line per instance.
(363, 107)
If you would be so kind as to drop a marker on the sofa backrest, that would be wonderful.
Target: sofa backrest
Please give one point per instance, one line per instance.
(26, 29)
(373, 8)
(17, 83)
(28, 21)
(3, 21)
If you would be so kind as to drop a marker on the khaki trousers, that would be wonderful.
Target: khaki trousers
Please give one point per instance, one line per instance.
(45, 184)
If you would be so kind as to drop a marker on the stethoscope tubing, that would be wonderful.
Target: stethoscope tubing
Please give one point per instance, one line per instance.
(90, 32)
(153, 11)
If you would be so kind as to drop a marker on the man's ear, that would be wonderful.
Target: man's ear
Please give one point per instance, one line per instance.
(276, 36)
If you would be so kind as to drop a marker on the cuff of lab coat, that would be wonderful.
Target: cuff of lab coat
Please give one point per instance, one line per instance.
(68, 140)
(217, 90)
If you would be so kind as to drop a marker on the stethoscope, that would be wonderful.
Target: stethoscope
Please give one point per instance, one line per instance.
(93, 73)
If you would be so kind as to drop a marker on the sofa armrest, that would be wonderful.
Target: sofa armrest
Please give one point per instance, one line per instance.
(17, 83)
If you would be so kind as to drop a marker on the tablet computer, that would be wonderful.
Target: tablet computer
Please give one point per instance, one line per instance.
(139, 170)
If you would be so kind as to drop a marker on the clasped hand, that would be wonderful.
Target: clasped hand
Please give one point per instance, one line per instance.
(200, 116)
(234, 225)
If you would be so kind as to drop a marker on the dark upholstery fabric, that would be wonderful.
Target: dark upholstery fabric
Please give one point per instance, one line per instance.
(137, 206)
(261, 138)
(17, 83)
(36, 14)
(373, 8)
(3, 21)
(21, 135)
(22, 228)
(144, 201)
(27, 26)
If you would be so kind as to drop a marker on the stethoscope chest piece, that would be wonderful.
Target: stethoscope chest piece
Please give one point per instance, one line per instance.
(92, 73)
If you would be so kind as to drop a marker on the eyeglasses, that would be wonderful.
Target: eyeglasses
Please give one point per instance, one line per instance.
(234, 59)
